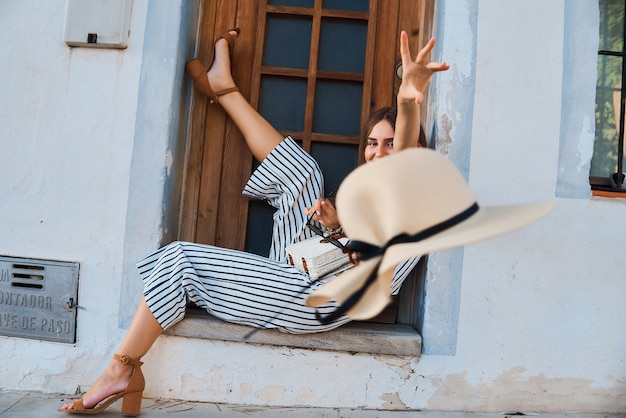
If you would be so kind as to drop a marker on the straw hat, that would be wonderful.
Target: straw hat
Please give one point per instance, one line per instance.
(411, 203)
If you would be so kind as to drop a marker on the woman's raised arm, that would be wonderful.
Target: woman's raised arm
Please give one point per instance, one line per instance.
(416, 75)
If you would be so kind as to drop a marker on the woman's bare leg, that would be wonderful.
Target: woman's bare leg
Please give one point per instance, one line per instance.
(143, 332)
(260, 136)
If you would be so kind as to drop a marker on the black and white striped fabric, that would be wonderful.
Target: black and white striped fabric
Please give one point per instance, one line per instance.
(245, 288)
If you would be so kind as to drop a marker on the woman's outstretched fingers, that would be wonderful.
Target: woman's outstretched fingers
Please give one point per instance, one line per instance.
(422, 55)
(416, 74)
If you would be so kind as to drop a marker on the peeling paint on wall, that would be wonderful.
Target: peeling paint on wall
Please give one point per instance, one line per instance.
(169, 160)
(401, 365)
(246, 388)
(392, 401)
(512, 391)
(272, 394)
(305, 395)
(444, 139)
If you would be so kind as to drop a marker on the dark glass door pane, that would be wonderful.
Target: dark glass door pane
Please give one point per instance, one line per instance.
(287, 42)
(342, 45)
(282, 102)
(354, 5)
(259, 229)
(336, 162)
(337, 107)
(294, 3)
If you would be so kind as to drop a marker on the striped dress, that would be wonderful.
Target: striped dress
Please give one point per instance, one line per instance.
(245, 288)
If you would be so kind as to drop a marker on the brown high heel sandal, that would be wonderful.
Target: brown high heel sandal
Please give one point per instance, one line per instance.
(197, 71)
(131, 405)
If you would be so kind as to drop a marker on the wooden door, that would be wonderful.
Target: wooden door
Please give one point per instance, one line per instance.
(315, 69)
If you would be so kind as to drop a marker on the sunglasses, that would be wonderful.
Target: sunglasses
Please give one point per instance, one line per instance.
(330, 237)
(327, 237)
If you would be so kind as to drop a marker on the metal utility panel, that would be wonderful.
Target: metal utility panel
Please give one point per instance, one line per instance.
(98, 23)
(38, 299)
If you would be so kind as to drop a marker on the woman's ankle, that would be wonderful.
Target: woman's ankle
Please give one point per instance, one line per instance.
(118, 371)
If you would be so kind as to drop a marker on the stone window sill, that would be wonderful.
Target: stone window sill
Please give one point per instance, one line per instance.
(355, 337)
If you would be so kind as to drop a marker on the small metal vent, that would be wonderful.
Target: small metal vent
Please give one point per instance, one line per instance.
(38, 299)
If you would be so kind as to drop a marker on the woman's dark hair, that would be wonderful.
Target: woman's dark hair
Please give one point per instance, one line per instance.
(389, 114)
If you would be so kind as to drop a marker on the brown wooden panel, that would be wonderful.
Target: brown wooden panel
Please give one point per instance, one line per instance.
(257, 59)
(312, 76)
(237, 159)
(370, 77)
(417, 21)
(347, 14)
(190, 205)
(426, 32)
(384, 59)
(426, 21)
(317, 8)
(409, 20)
(298, 11)
(214, 136)
(337, 139)
(373, 28)
(287, 72)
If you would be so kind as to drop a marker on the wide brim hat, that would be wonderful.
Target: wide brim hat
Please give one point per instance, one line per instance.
(405, 205)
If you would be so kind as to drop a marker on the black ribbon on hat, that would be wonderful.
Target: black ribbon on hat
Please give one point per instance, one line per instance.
(368, 251)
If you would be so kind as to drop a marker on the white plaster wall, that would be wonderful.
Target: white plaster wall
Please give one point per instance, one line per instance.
(68, 123)
(541, 318)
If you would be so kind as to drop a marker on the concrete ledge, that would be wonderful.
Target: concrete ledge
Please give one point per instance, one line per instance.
(356, 337)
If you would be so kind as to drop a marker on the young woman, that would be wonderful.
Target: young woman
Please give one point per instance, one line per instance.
(263, 292)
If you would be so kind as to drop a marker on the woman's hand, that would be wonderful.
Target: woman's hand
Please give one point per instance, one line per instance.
(416, 74)
(325, 213)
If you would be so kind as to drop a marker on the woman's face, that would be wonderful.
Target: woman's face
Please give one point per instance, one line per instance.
(379, 142)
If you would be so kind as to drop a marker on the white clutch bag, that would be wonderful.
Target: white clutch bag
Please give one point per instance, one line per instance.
(317, 257)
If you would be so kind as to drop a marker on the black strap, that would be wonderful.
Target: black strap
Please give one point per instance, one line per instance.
(367, 251)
